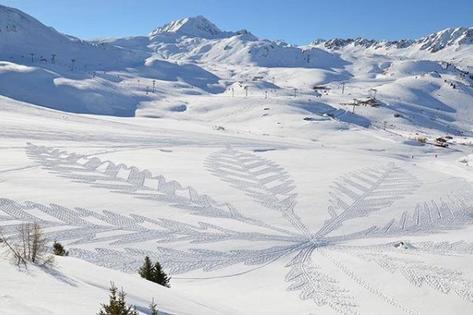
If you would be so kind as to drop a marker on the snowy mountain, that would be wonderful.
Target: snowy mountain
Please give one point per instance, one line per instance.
(154, 74)
(434, 42)
(192, 56)
(448, 37)
(25, 40)
(197, 26)
(338, 43)
(266, 178)
(198, 40)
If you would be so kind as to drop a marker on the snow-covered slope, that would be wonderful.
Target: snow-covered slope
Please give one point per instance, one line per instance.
(447, 37)
(266, 178)
(450, 45)
(433, 43)
(248, 219)
(197, 26)
(193, 57)
(197, 39)
(25, 40)
(76, 287)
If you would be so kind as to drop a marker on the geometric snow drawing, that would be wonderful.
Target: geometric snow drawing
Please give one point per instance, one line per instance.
(353, 196)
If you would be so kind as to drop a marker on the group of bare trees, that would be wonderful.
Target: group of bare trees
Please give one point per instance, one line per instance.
(27, 245)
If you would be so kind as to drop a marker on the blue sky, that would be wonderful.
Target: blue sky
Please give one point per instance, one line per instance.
(296, 21)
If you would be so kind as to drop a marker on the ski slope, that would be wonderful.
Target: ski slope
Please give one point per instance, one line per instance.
(211, 152)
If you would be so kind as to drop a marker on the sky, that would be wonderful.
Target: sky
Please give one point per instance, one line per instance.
(294, 21)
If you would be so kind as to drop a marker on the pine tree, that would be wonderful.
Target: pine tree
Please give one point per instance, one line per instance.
(117, 304)
(146, 271)
(153, 308)
(154, 272)
(59, 250)
(159, 276)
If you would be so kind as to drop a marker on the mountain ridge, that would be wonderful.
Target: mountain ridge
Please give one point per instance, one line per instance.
(192, 56)
(18, 22)
(433, 42)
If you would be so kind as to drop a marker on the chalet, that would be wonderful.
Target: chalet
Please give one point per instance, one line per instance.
(370, 101)
(320, 88)
(441, 142)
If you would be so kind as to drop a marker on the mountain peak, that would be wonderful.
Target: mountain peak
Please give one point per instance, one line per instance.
(197, 26)
(447, 37)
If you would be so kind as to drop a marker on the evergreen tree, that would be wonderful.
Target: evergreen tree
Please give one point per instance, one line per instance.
(153, 308)
(117, 304)
(154, 272)
(59, 250)
(159, 276)
(146, 271)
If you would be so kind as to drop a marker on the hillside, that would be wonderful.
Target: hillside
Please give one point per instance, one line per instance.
(191, 61)
(80, 286)
(265, 177)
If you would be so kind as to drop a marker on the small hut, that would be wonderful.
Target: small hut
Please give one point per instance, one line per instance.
(441, 142)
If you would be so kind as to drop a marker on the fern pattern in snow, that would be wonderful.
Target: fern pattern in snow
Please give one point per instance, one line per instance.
(353, 196)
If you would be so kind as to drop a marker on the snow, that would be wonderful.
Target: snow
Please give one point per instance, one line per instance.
(81, 287)
(447, 37)
(211, 152)
(197, 26)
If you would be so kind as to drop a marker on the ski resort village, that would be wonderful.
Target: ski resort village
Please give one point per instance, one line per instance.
(198, 170)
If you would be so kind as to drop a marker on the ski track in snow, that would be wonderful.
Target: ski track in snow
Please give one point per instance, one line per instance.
(188, 88)
(354, 195)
